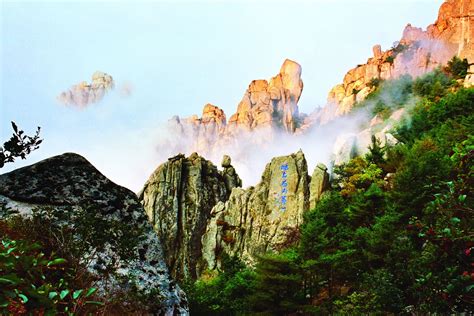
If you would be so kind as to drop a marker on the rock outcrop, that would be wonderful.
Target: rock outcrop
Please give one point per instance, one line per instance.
(416, 53)
(319, 184)
(266, 106)
(199, 213)
(70, 184)
(85, 93)
(269, 108)
(348, 146)
(256, 220)
(178, 198)
(271, 103)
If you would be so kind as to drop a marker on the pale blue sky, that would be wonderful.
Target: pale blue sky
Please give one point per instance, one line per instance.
(178, 55)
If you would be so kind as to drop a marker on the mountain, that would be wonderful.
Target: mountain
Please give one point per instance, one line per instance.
(73, 191)
(200, 213)
(417, 53)
(269, 109)
(266, 107)
(198, 218)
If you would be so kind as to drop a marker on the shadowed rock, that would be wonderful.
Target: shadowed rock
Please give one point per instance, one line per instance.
(178, 198)
(70, 183)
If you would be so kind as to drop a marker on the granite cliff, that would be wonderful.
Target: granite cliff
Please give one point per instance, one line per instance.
(178, 199)
(418, 52)
(200, 212)
(266, 106)
(269, 111)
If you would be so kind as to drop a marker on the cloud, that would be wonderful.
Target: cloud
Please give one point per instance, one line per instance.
(251, 150)
(125, 89)
(83, 94)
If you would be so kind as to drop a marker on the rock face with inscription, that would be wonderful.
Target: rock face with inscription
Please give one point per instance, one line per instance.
(200, 212)
(257, 219)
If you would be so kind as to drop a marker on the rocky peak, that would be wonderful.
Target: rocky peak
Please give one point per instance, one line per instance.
(455, 25)
(178, 198)
(213, 116)
(272, 103)
(199, 212)
(416, 53)
(70, 184)
(231, 178)
(266, 106)
(257, 219)
(319, 184)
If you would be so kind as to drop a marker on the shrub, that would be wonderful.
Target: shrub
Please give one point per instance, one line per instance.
(457, 68)
(32, 282)
(433, 85)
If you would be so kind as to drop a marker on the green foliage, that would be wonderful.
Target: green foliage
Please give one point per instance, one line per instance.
(32, 282)
(227, 293)
(358, 174)
(376, 152)
(58, 247)
(388, 96)
(394, 235)
(19, 145)
(277, 285)
(374, 83)
(417, 179)
(390, 59)
(399, 47)
(433, 85)
(457, 67)
(453, 112)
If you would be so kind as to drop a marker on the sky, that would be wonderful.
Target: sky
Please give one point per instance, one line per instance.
(175, 56)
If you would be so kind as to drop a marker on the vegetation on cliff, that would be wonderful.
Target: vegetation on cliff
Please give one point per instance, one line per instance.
(393, 235)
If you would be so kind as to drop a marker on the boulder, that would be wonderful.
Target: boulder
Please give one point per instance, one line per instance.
(231, 178)
(68, 184)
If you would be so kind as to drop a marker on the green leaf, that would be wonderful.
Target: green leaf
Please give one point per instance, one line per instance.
(455, 220)
(450, 288)
(63, 294)
(462, 198)
(469, 287)
(94, 303)
(91, 291)
(23, 298)
(52, 295)
(56, 262)
(447, 231)
(11, 279)
(76, 294)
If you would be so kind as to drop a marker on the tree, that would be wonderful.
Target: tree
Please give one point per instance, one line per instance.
(19, 145)
(278, 285)
(376, 152)
(457, 67)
